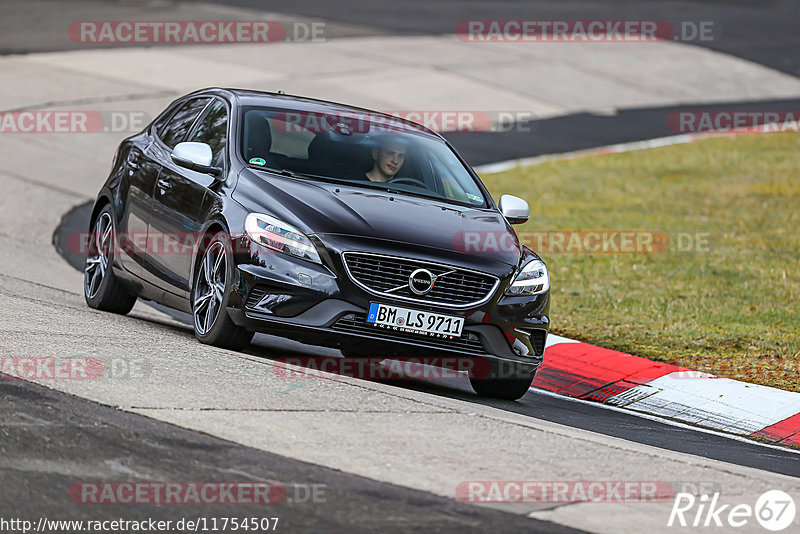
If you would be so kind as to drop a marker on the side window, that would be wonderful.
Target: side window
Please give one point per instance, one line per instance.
(176, 129)
(213, 130)
(160, 122)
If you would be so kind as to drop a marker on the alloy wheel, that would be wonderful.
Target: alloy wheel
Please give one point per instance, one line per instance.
(97, 260)
(209, 288)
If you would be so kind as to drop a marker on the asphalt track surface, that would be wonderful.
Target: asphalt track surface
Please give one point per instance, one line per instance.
(535, 404)
(49, 438)
(763, 31)
(585, 130)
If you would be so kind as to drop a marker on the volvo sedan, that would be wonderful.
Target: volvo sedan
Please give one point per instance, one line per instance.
(332, 225)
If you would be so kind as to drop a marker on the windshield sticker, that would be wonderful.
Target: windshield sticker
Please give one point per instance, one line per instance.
(258, 161)
(474, 198)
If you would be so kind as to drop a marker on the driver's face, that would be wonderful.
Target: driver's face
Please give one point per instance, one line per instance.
(390, 158)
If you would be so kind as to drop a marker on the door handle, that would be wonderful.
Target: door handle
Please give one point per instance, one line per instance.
(164, 184)
(132, 161)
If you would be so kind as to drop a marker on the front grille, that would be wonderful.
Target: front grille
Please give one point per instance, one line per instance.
(356, 323)
(388, 276)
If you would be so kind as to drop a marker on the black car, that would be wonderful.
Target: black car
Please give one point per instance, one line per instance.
(329, 224)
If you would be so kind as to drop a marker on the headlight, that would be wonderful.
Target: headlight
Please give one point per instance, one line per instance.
(277, 235)
(533, 279)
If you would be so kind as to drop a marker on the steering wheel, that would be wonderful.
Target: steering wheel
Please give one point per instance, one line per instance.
(409, 181)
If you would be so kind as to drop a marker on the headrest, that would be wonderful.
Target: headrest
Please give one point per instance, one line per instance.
(257, 134)
(341, 152)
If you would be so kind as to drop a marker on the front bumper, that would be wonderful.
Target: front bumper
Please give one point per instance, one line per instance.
(320, 305)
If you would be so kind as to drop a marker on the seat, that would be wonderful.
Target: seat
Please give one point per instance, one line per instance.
(339, 158)
(258, 141)
(257, 135)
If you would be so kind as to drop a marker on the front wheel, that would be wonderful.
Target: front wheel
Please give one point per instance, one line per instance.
(212, 284)
(101, 289)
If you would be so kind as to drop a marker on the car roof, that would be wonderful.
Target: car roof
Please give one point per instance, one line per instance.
(249, 97)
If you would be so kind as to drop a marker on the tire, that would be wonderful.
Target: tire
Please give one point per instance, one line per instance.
(505, 381)
(210, 294)
(101, 289)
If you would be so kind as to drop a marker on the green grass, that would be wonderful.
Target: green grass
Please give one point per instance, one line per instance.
(733, 309)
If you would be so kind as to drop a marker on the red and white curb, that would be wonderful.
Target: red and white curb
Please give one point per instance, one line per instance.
(621, 380)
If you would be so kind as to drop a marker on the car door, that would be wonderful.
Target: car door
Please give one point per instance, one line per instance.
(173, 132)
(178, 195)
(136, 187)
(139, 173)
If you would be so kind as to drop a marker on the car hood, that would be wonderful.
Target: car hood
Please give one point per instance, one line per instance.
(321, 208)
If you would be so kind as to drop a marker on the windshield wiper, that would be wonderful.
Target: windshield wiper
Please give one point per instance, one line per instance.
(284, 172)
(287, 172)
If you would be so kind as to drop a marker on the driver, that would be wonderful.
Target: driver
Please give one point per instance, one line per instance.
(388, 157)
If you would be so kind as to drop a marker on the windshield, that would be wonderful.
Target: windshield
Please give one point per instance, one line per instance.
(359, 149)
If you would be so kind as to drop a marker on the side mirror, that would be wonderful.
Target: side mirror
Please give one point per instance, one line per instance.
(514, 209)
(195, 156)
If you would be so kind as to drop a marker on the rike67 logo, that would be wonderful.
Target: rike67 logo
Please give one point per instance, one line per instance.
(774, 510)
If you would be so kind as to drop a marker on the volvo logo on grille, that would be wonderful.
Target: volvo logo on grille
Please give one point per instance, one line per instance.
(421, 281)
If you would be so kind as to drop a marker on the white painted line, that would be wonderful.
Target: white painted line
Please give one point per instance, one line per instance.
(553, 339)
(669, 422)
(718, 403)
(502, 166)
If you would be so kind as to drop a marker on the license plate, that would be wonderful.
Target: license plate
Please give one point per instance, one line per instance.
(417, 322)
